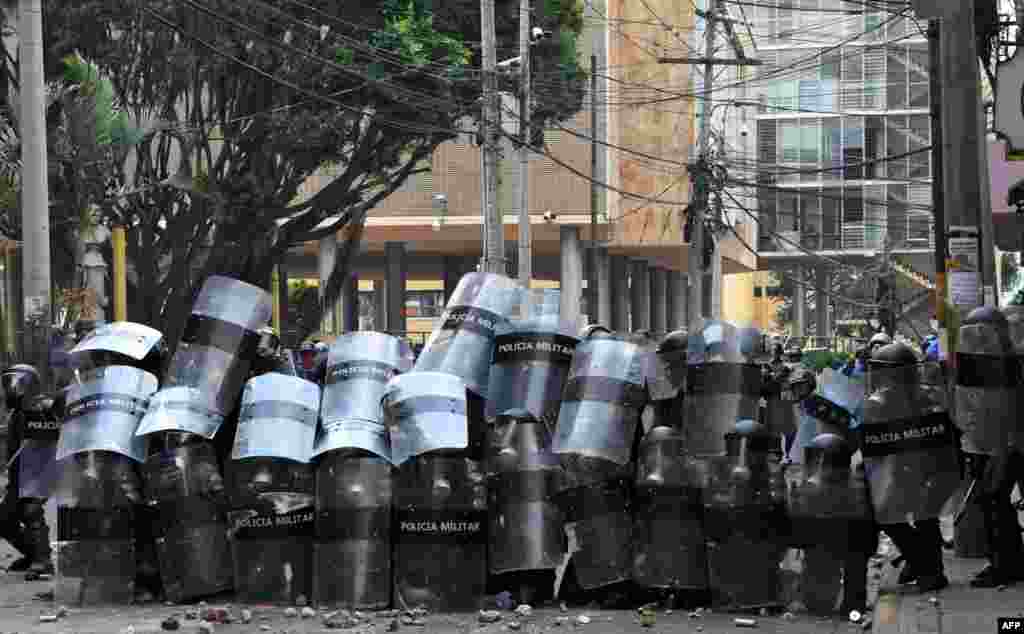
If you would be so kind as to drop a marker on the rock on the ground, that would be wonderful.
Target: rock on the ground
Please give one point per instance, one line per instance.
(62, 612)
(291, 613)
(47, 618)
(246, 616)
(308, 612)
(514, 625)
(582, 619)
(170, 624)
(205, 627)
(489, 616)
(524, 611)
(301, 601)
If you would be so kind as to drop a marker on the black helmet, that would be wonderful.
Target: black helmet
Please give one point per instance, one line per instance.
(879, 339)
(674, 341)
(894, 355)
(269, 343)
(986, 315)
(20, 382)
(595, 331)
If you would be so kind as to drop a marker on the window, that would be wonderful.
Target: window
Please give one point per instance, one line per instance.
(789, 138)
(919, 137)
(809, 142)
(872, 24)
(853, 203)
(896, 76)
(917, 67)
(853, 147)
(874, 78)
(874, 147)
(896, 142)
(896, 202)
(831, 156)
(831, 215)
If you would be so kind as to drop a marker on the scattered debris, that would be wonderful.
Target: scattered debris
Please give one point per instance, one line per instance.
(738, 622)
(489, 616)
(206, 627)
(47, 618)
(393, 625)
(561, 620)
(264, 628)
(525, 611)
(855, 616)
(788, 616)
(514, 625)
(246, 616)
(44, 596)
(62, 612)
(307, 612)
(170, 624)
(389, 614)
(647, 616)
(128, 630)
(191, 615)
(563, 607)
(291, 613)
(301, 601)
(763, 612)
(933, 600)
(582, 619)
(1001, 588)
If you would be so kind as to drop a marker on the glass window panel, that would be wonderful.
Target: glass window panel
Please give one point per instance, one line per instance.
(828, 100)
(787, 213)
(789, 137)
(919, 138)
(853, 203)
(830, 64)
(853, 63)
(917, 63)
(809, 146)
(896, 203)
(810, 91)
(874, 147)
(896, 142)
(872, 22)
(896, 76)
(831, 215)
(919, 96)
(831, 134)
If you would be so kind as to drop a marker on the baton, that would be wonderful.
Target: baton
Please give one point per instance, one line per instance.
(963, 505)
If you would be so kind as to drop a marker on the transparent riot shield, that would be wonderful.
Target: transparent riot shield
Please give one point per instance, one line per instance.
(440, 552)
(597, 425)
(602, 401)
(427, 411)
(464, 342)
(440, 493)
(836, 407)
(986, 390)
(525, 539)
(270, 489)
(784, 388)
(210, 366)
(36, 456)
(352, 548)
(745, 520)
(120, 343)
(722, 389)
(1015, 317)
(668, 517)
(187, 502)
(908, 444)
(359, 366)
(271, 526)
(97, 497)
(532, 354)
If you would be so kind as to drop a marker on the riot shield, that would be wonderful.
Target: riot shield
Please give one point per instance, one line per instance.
(985, 393)
(523, 475)
(602, 401)
(828, 487)
(40, 424)
(464, 342)
(271, 527)
(440, 553)
(668, 521)
(745, 519)
(270, 489)
(532, 355)
(427, 411)
(1015, 317)
(187, 501)
(212, 361)
(103, 411)
(836, 407)
(352, 551)
(97, 496)
(120, 343)
(784, 388)
(721, 389)
(359, 366)
(908, 445)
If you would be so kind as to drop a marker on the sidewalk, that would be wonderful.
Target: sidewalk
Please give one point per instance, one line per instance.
(958, 609)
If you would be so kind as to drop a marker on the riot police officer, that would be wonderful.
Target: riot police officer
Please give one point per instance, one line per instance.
(902, 480)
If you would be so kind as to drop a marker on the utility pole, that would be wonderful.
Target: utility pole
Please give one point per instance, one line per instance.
(494, 230)
(525, 237)
(938, 201)
(700, 174)
(35, 203)
(594, 198)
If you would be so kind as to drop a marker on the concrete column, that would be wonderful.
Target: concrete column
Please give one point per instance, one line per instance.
(379, 307)
(452, 272)
(619, 278)
(394, 287)
(821, 300)
(604, 287)
(659, 301)
(715, 283)
(678, 291)
(327, 255)
(640, 296)
(282, 290)
(799, 304)
(348, 306)
(571, 273)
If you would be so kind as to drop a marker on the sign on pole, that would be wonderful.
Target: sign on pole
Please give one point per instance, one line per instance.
(964, 268)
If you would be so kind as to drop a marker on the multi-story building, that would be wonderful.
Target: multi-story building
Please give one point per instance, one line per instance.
(415, 251)
(842, 167)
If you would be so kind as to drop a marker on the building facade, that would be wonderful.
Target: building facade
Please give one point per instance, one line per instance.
(843, 167)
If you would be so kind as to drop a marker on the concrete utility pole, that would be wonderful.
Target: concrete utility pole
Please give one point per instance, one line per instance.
(593, 257)
(525, 237)
(701, 173)
(35, 202)
(494, 230)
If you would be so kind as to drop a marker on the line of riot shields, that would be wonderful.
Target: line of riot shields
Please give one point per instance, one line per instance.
(517, 453)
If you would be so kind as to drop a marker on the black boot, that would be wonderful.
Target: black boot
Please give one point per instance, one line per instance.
(37, 535)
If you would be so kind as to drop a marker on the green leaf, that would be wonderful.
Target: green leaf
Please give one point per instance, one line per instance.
(344, 56)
